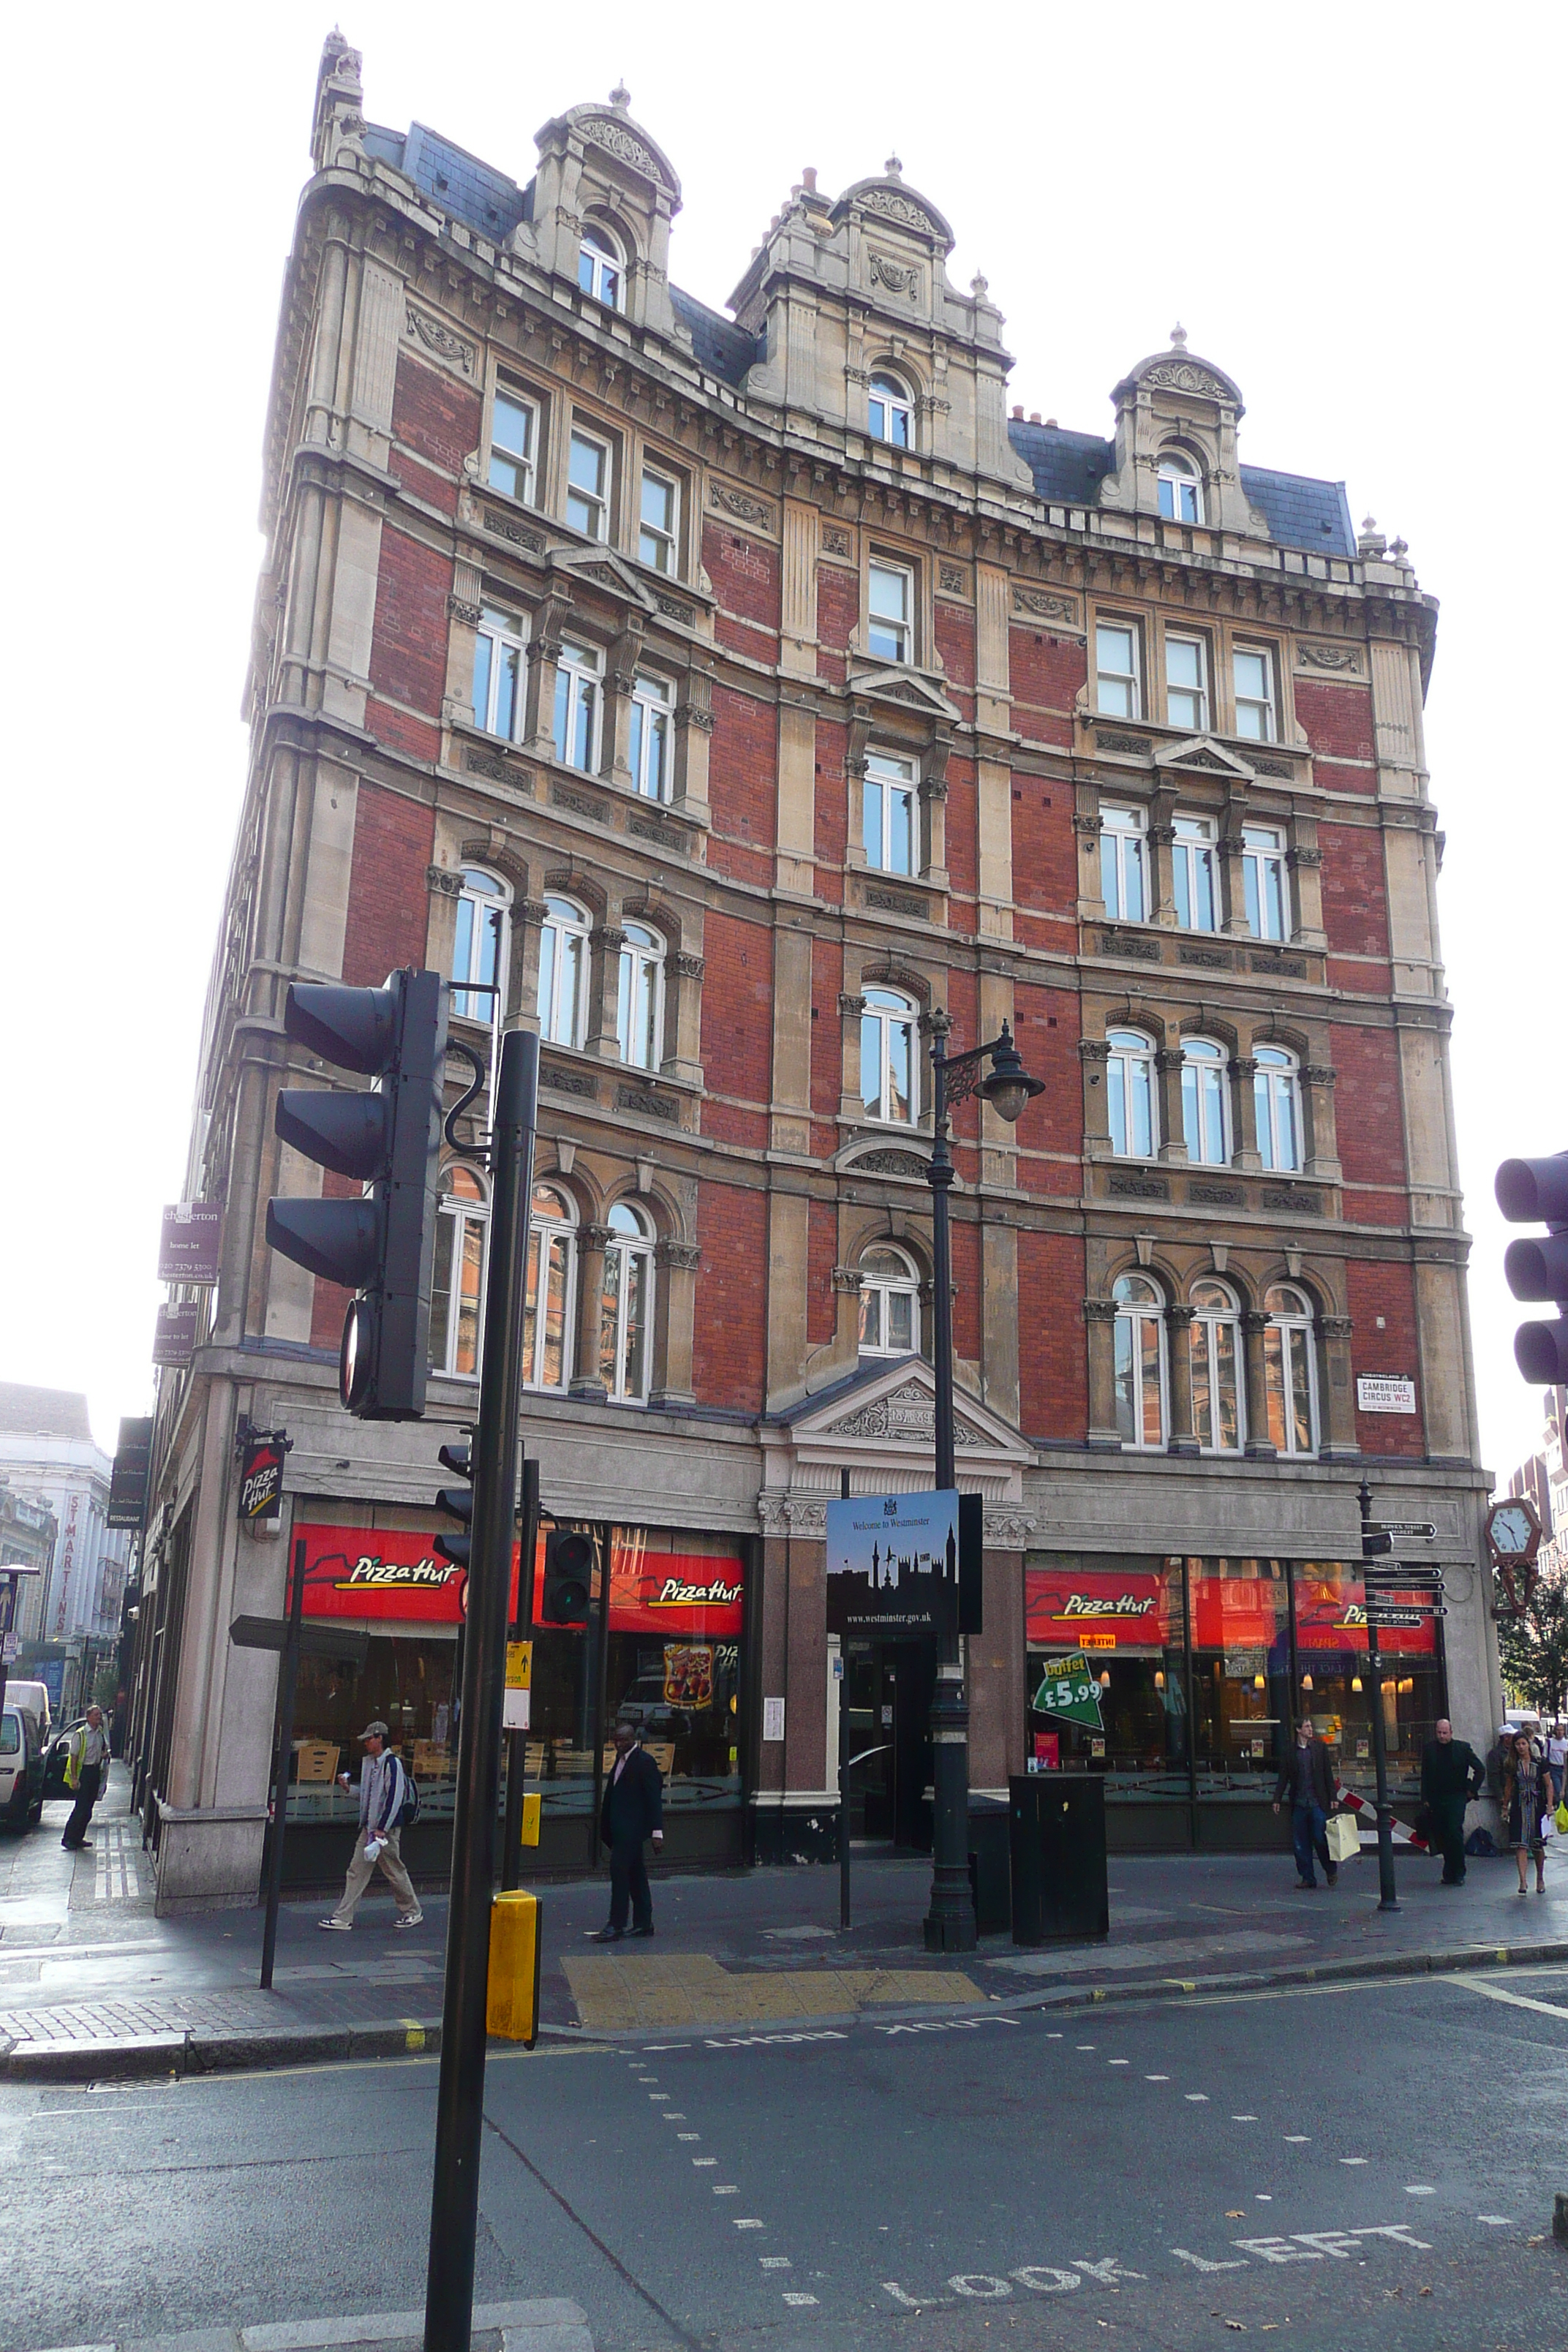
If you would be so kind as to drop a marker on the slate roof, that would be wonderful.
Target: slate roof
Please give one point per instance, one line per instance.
(42, 1413)
(1067, 467)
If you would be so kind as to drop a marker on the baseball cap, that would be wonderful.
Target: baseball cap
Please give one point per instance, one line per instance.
(376, 1730)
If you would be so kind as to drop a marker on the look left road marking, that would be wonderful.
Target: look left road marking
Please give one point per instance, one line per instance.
(1514, 1999)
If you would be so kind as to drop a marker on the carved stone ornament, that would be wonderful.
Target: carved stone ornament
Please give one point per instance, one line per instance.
(743, 504)
(951, 579)
(896, 902)
(890, 1163)
(672, 607)
(1272, 767)
(1094, 1049)
(438, 339)
(894, 204)
(897, 277)
(1344, 659)
(1184, 375)
(792, 1515)
(487, 764)
(457, 610)
(580, 804)
(1336, 1327)
(683, 1256)
(853, 1005)
(1090, 825)
(1107, 741)
(1100, 1310)
(646, 1103)
(444, 881)
(1045, 606)
(616, 140)
(645, 828)
(1203, 759)
(907, 1416)
(835, 539)
(505, 528)
(687, 967)
(1009, 1530)
(1305, 857)
(1314, 1076)
(847, 1279)
(568, 1082)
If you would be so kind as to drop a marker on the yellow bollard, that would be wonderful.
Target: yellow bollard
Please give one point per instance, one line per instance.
(530, 1835)
(512, 2006)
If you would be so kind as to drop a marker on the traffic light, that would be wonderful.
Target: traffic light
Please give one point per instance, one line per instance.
(457, 1502)
(1535, 1191)
(381, 1245)
(568, 1577)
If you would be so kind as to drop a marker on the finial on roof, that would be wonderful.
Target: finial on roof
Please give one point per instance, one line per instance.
(893, 168)
(620, 97)
(980, 286)
(1179, 336)
(1370, 540)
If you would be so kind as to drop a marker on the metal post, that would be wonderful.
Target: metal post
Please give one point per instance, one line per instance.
(1386, 1891)
(843, 1760)
(459, 2099)
(288, 1683)
(517, 1741)
(950, 1922)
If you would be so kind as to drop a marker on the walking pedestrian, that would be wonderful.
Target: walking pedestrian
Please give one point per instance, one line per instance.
(1307, 1777)
(382, 1790)
(1451, 1774)
(86, 1769)
(633, 1809)
(1527, 1798)
(1557, 1757)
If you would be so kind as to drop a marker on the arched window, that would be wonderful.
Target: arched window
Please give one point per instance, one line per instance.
(500, 644)
(1276, 1098)
(564, 972)
(626, 1323)
(1140, 1362)
(1290, 1373)
(639, 998)
(888, 1087)
(889, 411)
(1192, 874)
(889, 1303)
(1204, 1126)
(457, 1274)
(1181, 489)
(1214, 1338)
(600, 266)
(478, 950)
(649, 749)
(888, 819)
(1130, 1079)
(547, 1295)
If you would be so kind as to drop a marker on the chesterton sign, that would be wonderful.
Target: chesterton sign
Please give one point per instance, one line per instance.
(188, 1242)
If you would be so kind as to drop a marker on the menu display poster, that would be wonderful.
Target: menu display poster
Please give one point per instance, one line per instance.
(1069, 1690)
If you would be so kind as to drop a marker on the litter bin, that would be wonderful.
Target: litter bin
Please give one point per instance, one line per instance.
(989, 1874)
(1057, 1833)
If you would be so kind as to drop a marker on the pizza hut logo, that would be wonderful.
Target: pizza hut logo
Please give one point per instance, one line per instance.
(1091, 1605)
(675, 1593)
(397, 1575)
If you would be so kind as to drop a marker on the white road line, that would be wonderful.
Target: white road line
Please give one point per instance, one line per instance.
(1244, 2119)
(1298, 2139)
(775, 2262)
(1353, 2160)
(725, 2188)
(1418, 2189)
(1514, 1999)
(1495, 2221)
(704, 2159)
(688, 2134)
(749, 2224)
(800, 2298)
(1119, 2062)
(1156, 2078)
(1196, 2098)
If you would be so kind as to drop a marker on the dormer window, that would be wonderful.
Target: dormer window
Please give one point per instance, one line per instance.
(1181, 489)
(600, 268)
(889, 412)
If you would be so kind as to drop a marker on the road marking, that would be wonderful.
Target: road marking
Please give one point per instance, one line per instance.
(1353, 2160)
(913, 2302)
(725, 2188)
(1418, 2189)
(1495, 2221)
(751, 2225)
(1044, 2278)
(704, 2159)
(761, 2040)
(1514, 1999)
(1106, 2271)
(980, 2287)
(688, 2134)
(1298, 2139)
(674, 2116)
(775, 2262)
(658, 2095)
(1199, 2263)
(1156, 2078)
(669, 2045)
(1083, 2045)
(1119, 2062)
(1196, 2098)
(800, 2298)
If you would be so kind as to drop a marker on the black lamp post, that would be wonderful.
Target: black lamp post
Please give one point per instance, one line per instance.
(950, 1922)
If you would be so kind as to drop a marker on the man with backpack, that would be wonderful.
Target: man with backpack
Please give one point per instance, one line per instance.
(388, 1802)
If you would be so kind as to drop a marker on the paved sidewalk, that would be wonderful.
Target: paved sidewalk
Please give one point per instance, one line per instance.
(544, 2324)
(92, 1986)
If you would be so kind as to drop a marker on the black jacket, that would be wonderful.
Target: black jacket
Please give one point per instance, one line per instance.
(634, 1805)
(1450, 1768)
(1319, 1782)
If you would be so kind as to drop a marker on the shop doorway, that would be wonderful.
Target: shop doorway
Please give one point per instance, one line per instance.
(891, 1686)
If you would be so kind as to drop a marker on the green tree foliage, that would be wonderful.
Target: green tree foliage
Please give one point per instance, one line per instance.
(1535, 1648)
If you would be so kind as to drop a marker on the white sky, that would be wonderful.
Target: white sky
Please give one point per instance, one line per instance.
(1353, 210)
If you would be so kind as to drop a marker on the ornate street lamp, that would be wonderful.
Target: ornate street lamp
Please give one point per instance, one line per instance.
(1006, 1086)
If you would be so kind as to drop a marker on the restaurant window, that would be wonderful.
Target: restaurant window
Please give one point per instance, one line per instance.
(1333, 1688)
(1125, 1614)
(673, 1663)
(625, 1324)
(1214, 1338)
(1241, 1674)
(1140, 1362)
(548, 1290)
(1289, 1370)
(457, 1274)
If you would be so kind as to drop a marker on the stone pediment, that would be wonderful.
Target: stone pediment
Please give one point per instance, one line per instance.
(886, 199)
(910, 688)
(1179, 370)
(1207, 757)
(895, 1405)
(612, 129)
(601, 567)
(881, 1424)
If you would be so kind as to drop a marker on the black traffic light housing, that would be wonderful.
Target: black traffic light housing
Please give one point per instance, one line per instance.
(457, 1502)
(381, 1245)
(568, 1577)
(1535, 1191)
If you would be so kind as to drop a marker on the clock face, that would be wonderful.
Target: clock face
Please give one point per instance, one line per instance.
(1510, 1528)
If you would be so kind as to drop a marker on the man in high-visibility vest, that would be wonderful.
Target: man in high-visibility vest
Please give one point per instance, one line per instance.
(87, 1767)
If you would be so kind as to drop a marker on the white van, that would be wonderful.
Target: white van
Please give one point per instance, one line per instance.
(33, 1698)
(21, 1769)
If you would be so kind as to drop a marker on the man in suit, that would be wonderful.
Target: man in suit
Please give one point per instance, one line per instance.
(633, 1809)
(1306, 1778)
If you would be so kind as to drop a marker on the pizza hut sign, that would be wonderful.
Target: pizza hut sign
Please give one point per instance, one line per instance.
(389, 1572)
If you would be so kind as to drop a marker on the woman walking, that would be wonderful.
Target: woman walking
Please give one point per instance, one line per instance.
(1527, 1797)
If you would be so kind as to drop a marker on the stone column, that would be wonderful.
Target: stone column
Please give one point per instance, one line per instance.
(1243, 1070)
(1088, 825)
(603, 990)
(523, 987)
(1305, 864)
(683, 1018)
(1233, 879)
(1168, 1066)
(693, 734)
(674, 1314)
(620, 680)
(1161, 836)
(1336, 1391)
(1099, 1318)
(586, 1383)
(931, 816)
(1178, 1321)
(1321, 1149)
(1094, 1053)
(850, 1006)
(1260, 1446)
(542, 654)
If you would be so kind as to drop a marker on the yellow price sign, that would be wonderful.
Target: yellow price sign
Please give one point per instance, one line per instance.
(520, 1665)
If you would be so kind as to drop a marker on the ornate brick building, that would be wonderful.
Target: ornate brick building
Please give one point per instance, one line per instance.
(743, 697)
